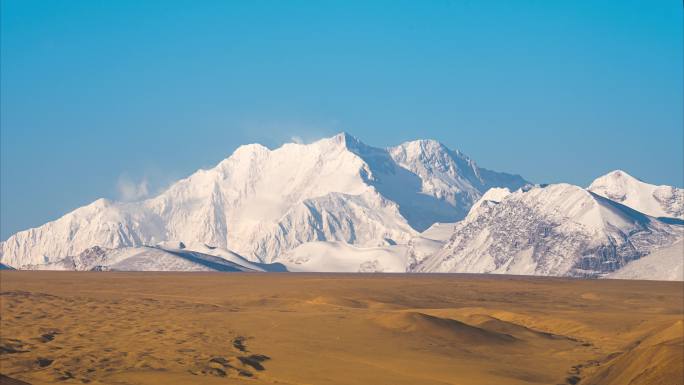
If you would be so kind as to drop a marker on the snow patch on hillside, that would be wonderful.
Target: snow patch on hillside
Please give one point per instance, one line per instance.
(169, 256)
(342, 257)
(666, 264)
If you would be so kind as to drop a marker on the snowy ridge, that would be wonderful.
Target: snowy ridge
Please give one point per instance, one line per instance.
(491, 197)
(555, 230)
(262, 203)
(656, 201)
(427, 243)
(666, 264)
(171, 256)
(343, 257)
(450, 176)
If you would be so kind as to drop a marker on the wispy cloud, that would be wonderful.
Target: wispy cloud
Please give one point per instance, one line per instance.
(130, 190)
(276, 132)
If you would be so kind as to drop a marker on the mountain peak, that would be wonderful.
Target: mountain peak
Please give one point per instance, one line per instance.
(341, 136)
(249, 148)
(615, 184)
(430, 148)
(618, 175)
(657, 201)
(423, 146)
(348, 141)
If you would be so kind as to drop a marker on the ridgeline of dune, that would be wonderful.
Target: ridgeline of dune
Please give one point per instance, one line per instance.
(338, 329)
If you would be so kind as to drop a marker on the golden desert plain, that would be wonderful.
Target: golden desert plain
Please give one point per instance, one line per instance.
(286, 328)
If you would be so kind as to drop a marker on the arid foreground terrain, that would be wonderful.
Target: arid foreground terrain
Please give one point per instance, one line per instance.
(214, 328)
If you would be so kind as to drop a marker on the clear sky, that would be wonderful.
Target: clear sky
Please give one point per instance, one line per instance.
(99, 96)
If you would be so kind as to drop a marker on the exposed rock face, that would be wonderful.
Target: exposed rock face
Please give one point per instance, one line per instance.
(554, 230)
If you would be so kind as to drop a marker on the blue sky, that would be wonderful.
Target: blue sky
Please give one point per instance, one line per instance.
(96, 95)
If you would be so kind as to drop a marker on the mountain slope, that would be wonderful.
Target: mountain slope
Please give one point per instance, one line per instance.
(555, 230)
(342, 257)
(5, 267)
(656, 201)
(262, 203)
(449, 175)
(167, 257)
(666, 264)
(427, 243)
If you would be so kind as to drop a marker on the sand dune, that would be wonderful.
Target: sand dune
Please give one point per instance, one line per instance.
(454, 331)
(657, 359)
(213, 328)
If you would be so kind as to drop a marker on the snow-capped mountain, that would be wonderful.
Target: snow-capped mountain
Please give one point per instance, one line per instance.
(656, 201)
(167, 256)
(341, 205)
(262, 203)
(556, 230)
